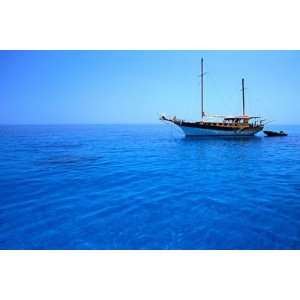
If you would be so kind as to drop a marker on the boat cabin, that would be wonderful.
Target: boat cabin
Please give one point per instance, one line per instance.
(237, 120)
(242, 120)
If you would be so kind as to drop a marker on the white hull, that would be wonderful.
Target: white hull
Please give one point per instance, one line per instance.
(192, 131)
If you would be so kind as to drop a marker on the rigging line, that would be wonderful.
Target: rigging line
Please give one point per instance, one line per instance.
(251, 101)
(235, 99)
(219, 95)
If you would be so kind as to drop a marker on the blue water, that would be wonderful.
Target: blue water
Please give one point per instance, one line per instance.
(146, 187)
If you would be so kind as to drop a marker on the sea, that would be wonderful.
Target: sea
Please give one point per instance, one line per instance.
(147, 187)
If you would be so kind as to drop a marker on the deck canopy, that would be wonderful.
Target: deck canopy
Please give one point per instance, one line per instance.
(239, 118)
(230, 118)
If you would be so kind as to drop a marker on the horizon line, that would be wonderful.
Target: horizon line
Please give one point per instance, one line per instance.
(76, 124)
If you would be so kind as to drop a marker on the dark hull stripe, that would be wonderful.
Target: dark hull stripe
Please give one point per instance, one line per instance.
(214, 127)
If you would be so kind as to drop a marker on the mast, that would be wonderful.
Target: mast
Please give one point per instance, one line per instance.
(202, 112)
(243, 93)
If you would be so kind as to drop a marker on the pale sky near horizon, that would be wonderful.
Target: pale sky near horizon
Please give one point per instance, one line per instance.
(50, 87)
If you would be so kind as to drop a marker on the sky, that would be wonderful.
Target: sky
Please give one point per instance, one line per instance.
(95, 87)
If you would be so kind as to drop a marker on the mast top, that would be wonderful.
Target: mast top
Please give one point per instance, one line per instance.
(202, 93)
(243, 94)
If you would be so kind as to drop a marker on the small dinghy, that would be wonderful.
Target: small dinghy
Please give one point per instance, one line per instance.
(275, 133)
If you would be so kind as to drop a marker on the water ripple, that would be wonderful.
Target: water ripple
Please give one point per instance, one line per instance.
(146, 187)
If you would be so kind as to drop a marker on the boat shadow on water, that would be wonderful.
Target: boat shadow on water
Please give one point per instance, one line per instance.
(242, 139)
(222, 148)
